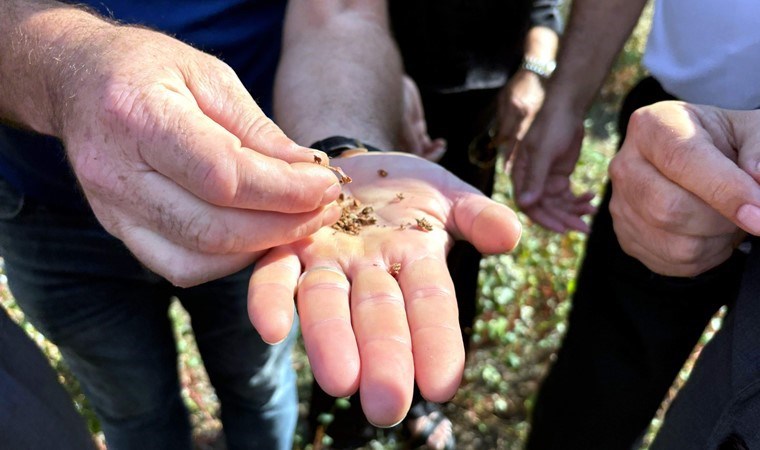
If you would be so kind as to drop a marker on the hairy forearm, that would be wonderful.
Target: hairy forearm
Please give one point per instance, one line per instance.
(595, 34)
(40, 60)
(340, 73)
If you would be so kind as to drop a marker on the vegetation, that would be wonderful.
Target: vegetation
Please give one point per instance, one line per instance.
(524, 304)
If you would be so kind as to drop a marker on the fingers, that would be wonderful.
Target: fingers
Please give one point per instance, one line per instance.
(383, 336)
(207, 160)
(179, 265)
(747, 140)
(222, 97)
(489, 226)
(323, 308)
(435, 150)
(554, 215)
(671, 254)
(658, 202)
(533, 165)
(432, 312)
(156, 203)
(271, 294)
(698, 166)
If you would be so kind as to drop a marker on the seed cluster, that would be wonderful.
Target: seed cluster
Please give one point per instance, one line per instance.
(353, 215)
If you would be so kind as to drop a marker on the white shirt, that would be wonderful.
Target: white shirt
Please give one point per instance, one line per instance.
(707, 51)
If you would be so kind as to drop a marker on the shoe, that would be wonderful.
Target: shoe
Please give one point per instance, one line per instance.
(432, 417)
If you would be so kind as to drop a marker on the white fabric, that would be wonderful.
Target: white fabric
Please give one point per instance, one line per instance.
(707, 51)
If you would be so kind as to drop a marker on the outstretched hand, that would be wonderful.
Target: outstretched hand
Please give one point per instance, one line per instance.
(543, 164)
(377, 308)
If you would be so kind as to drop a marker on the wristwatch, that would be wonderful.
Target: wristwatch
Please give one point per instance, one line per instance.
(335, 146)
(541, 67)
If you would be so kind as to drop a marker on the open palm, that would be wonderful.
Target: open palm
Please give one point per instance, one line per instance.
(377, 308)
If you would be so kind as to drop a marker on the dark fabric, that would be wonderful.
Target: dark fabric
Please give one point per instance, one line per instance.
(35, 411)
(719, 407)
(630, 331)
(107, 314)
(245, 34)
(444, 42)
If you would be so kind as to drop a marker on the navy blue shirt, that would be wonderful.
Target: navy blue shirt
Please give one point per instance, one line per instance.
(246, 34)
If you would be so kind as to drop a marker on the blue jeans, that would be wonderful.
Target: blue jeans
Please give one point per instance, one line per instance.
(108, 315)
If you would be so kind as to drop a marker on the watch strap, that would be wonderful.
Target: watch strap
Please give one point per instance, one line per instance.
(334, 146)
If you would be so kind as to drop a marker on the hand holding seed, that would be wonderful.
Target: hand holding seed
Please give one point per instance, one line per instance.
(374, 295)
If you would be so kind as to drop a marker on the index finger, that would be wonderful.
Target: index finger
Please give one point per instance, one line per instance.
(209, 161)
(687, 155)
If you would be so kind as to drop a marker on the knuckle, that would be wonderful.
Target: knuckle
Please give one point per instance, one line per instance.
(618, 168)
(259, 126)
(93, 175)
(720, 191)
(637, 120)
(219, 183)
(667, 212)
(218, 239)
(685, 252)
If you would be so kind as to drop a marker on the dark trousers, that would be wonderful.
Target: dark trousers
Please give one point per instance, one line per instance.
(630, 331)
(35, 411)
(719, 407)
(108, 316)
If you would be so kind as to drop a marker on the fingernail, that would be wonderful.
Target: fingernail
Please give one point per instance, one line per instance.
(320, 157)
(331, 194)
(749, 218)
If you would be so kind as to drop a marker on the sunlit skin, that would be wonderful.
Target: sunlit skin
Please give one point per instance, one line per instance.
(363, 327)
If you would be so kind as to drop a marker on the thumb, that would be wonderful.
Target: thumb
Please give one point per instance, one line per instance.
(747, 140)
(490, 226)
(225, 100)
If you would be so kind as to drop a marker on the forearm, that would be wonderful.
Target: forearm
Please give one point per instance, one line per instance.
(541, 44)
(40, 58)
(340, 73)
(595, 34)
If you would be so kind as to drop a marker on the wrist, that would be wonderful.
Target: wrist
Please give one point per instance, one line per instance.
(73, 81)
(337, 146)
(45, 51)
(543, 68)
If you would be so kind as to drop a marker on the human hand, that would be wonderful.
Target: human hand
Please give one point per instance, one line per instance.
(518, 103)
(541, 171)
(378, 309)
(414, 136)
(178, 161)
(685, 186)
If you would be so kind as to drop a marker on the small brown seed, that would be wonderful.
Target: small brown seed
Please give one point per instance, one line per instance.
(424, 225)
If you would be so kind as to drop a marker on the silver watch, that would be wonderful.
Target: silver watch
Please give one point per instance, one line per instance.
(541, 67)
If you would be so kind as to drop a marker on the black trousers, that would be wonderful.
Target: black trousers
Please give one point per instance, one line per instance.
(35, 411)
(630, 331)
